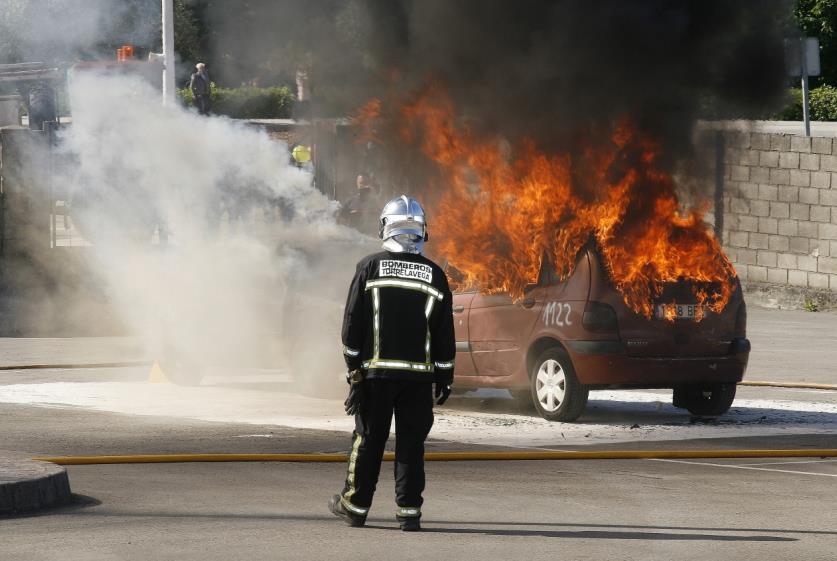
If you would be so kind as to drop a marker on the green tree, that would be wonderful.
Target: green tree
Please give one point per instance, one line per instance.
(187, 32)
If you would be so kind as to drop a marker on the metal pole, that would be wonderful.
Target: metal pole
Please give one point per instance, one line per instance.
(49, 131)
(720, 151)
(168, 52)
(806, 112)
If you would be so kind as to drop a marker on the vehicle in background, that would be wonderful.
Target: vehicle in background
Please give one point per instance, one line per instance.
(567, 337)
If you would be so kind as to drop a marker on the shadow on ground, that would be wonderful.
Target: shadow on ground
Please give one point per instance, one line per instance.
(508, 529)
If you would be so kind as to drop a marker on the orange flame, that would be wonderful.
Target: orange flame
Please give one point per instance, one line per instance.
(501, 209)
(368, 115)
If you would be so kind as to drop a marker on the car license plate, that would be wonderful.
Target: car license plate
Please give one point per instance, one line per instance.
(679, 311)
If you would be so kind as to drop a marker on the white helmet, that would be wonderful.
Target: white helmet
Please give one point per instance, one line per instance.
(403, 225)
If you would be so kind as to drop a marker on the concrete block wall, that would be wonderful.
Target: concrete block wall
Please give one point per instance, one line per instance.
(780, 208)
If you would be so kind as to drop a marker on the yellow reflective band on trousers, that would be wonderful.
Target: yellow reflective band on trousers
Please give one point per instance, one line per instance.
(355, 509)
(350, 352)
(408, 512)
(350, 477)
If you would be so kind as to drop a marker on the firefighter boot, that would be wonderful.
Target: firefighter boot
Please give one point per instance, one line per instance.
(409, 519)
(337, 508)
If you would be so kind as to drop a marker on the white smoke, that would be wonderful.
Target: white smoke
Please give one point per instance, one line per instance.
(209, 242)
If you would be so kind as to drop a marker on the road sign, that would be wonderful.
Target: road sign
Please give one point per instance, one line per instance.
(803, 56)
(803, 59)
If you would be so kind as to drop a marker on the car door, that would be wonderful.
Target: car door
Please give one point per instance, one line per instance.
(499, 328)
(461, 312)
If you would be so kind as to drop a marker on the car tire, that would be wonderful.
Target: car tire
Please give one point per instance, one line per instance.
(554, 388)
(705, 400)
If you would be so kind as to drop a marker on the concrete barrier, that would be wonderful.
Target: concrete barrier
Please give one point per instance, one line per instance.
(29, 486)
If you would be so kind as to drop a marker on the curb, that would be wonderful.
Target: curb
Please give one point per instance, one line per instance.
(28, 486)
(75, 366)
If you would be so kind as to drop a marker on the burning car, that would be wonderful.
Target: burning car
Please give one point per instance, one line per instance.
(566, 337)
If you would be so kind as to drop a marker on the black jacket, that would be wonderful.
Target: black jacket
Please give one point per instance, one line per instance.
(398, 322)
(199, 84)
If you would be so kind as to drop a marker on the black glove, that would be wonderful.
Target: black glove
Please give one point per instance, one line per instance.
(354, 402)
(442, 393)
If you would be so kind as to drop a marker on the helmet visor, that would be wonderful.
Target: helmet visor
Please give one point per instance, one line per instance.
(410, 227)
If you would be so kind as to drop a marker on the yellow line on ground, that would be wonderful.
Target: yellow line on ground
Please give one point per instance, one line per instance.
(447, 456)
(796, 385)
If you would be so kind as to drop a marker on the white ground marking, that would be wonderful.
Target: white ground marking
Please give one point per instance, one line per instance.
(481, 418)
(744, 467)
(830, 460)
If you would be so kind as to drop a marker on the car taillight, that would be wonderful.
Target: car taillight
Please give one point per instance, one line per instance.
(741, 320)
(599, 317)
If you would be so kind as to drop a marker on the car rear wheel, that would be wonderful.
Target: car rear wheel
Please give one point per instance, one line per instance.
(706, 400)
(555, 390)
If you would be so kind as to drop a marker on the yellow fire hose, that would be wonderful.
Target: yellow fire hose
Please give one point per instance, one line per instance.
(794, 385)
(447, 456)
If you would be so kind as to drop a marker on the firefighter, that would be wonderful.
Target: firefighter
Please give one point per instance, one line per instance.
(398, 343)
(301, 155)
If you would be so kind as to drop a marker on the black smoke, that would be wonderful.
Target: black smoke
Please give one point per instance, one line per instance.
(547, 69)
(537, 68)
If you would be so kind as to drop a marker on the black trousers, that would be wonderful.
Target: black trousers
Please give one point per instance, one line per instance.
(412, 404)
(203, 102)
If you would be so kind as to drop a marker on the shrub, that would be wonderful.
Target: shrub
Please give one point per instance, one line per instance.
(247, 102)
(823, 105)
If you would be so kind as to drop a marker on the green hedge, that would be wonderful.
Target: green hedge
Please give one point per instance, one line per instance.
(247, 102)
(823, 103)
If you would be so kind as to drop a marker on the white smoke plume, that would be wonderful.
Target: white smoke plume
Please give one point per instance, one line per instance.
(211, 245)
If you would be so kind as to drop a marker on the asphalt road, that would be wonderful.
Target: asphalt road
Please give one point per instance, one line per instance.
(627, 510)
(771, 509)
(642, 509)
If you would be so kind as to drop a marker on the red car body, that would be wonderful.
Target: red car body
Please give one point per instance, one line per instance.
(605, 343)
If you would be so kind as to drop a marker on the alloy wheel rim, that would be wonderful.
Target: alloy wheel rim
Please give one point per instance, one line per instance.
(550, 384)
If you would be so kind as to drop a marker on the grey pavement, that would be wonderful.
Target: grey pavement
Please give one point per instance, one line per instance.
(70, 350)
(792, 345)
(637, 510)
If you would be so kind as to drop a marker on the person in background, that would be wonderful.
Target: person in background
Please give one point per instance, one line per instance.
(301, 156)
(362, 207)
(201, 88)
